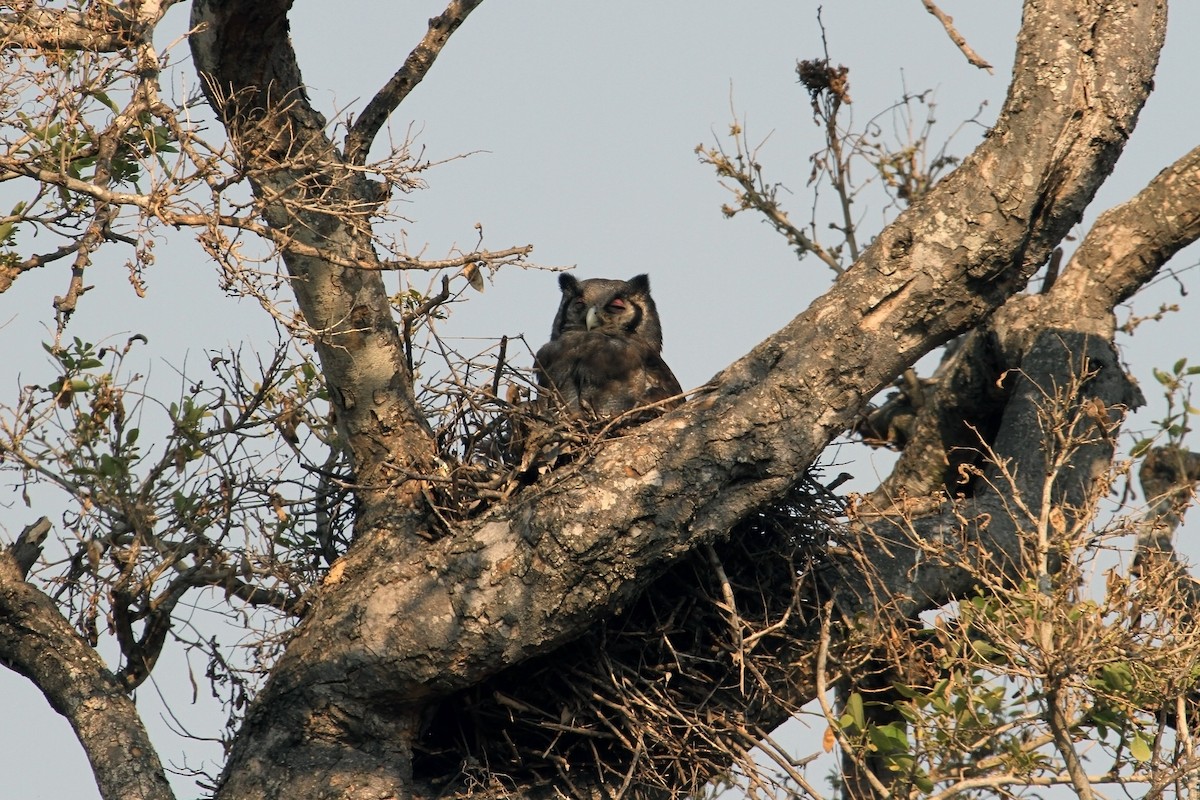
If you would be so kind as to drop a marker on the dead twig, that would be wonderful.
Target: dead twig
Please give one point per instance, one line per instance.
(948, 23)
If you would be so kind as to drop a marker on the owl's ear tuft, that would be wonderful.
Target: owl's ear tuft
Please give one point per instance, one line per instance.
(568, 283)
(640, 283)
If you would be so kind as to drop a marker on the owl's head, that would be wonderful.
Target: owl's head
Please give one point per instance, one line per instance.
(609, 306)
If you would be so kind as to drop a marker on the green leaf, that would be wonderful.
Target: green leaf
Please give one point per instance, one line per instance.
(1139, 748)
(1141, 448)
(104, 98)
(890, 738)
(854, 706)
(1117, 677)
(109, 466)
(1108, 718)
(984, 650)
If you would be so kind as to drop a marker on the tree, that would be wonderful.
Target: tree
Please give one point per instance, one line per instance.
(423, 577)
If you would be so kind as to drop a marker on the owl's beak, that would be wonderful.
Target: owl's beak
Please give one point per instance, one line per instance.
(593, 319)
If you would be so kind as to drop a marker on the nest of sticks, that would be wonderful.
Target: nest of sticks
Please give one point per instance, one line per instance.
(654, 701)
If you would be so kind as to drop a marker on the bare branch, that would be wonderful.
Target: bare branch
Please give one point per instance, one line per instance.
(10, 272)
(1128, 244)
(1060, 729)
(753, 192)
(441, 27)
(956, 37)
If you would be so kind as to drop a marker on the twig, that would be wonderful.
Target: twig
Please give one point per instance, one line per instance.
(956, 37)
(779, 755)
(1060, 729)
(735, 622)
(429, 304)
(756, 195)
(500, 358)
(637, 756)
(1052, 270)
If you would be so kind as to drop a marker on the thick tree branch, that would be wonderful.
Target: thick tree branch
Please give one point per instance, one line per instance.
(416, 66)
(994, 526)
(52, 29)
(1169, 477)
(1126, 248)
(1129, 243)
(416, 621)
(101, 29)
(28, 547)
(37, 642)
(764, 419)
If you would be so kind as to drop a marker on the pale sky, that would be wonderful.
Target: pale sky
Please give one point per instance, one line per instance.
(582, 119)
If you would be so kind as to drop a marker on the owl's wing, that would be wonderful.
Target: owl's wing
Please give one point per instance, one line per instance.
(554, 364)
(660, 381)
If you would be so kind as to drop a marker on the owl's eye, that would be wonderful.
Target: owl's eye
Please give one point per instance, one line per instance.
(577, 302)
(616, 304)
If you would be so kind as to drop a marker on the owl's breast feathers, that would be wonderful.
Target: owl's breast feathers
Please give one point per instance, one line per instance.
(593, 372)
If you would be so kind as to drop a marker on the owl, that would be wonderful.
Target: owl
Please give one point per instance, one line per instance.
(603, 357)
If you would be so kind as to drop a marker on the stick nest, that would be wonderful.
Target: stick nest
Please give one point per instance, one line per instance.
(653, 702)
